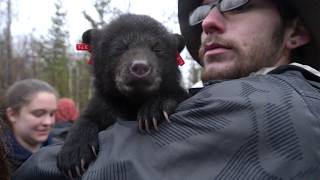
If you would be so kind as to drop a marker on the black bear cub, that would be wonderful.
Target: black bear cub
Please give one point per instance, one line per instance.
(136, 78)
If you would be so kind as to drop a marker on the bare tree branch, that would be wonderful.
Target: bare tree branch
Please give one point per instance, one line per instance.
(90, 19)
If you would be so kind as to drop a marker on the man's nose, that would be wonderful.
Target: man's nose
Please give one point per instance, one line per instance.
(214, 22)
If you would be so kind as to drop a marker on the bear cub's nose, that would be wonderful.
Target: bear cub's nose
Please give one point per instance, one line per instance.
(140, 68)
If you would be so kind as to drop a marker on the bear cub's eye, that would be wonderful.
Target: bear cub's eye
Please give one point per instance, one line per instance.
(120, 47)
(156, 47)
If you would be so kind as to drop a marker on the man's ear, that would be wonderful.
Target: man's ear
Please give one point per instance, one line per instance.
(298, 35)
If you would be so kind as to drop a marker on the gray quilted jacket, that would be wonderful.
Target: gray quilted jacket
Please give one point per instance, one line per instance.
(260, 127)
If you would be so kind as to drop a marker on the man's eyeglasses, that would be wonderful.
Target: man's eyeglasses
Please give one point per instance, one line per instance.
(201, 12)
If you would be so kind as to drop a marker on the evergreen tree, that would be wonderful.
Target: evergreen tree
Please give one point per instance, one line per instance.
(55, 53)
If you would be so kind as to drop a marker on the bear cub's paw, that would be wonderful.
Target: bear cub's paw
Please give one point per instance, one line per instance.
(154, 112)
(76, 155)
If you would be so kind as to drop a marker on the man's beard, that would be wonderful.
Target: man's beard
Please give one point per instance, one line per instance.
(260, 55)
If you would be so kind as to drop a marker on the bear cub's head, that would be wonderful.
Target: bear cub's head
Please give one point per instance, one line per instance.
(134, 55)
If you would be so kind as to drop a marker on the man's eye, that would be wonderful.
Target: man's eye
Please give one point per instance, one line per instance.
(242, 8)
(235, 6)
(199, 14)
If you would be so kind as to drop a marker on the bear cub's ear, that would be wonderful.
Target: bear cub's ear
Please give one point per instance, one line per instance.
(88, 35)
(180, 43)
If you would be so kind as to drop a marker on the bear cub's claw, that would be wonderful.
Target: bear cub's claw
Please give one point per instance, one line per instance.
(74, 158)
(155, 112)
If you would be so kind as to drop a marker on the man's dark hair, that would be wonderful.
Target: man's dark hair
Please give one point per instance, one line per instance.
(288, 13)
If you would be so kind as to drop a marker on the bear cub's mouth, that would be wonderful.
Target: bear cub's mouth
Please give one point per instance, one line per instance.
(136, 86)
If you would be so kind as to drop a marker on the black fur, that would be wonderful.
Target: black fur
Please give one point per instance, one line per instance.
(136, 78)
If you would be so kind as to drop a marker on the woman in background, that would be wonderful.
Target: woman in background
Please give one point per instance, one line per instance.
(65, 115)
(29, 107)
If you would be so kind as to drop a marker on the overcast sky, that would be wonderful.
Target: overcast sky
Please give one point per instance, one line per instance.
(35, 15)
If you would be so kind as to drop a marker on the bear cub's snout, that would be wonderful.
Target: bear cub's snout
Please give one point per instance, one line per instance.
(140, 69)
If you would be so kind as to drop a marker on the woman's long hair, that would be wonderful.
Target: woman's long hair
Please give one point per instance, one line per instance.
(4, 162)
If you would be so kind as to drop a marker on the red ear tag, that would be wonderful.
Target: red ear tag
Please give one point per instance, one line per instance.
(84, 47)
(179, 59)
(90, 61)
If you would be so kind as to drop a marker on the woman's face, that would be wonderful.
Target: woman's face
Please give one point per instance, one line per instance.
(33, 123)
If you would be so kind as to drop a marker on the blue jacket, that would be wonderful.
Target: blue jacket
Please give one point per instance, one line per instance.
(260, 127)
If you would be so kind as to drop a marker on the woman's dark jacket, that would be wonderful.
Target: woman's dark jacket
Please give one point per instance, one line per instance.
(17, 154)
